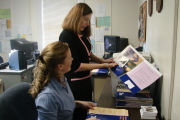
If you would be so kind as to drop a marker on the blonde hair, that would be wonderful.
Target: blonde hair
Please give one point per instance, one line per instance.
(72, 21)
(52, 55)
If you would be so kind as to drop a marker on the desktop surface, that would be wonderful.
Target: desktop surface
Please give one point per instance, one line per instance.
(108, 101)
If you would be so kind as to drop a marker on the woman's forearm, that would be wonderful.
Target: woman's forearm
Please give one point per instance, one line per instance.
(96, 59)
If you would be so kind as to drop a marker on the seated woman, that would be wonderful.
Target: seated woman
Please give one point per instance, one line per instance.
(53, 97)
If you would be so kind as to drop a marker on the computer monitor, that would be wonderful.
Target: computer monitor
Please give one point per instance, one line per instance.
(114, 44)
(22, 44)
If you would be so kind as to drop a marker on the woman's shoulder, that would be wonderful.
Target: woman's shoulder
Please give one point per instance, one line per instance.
(46, 98)
(48, 91)
(67, 35)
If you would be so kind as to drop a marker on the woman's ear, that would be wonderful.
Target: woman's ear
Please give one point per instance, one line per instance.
(60, 66)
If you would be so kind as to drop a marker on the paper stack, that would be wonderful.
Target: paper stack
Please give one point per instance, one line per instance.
(108, 114)
(148, 112)
(124, 97)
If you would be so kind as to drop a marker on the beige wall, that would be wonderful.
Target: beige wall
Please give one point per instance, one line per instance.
(161, 39)
(175, 99)
(123, 19)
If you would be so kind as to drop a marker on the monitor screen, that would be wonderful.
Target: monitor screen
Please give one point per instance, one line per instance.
(22, 44)
(114, 44)
(110, 44)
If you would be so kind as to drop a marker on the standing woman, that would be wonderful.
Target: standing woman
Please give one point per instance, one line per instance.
(76, 32)
(53, 97)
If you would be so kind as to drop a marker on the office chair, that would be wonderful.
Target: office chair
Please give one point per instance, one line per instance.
(1, 60)
(17, 104)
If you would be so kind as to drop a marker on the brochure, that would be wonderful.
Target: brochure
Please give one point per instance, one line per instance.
(138, 72)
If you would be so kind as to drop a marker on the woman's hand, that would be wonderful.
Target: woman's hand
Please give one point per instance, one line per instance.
(85, 105)
(109, 65)
(110, 60)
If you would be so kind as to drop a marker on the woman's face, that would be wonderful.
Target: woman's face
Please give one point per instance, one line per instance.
(66, 66)
(85, 21)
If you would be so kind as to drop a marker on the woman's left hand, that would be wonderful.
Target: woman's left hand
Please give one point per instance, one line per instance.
(85, 105)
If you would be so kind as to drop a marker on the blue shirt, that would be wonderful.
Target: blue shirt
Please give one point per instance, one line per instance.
(55, 102)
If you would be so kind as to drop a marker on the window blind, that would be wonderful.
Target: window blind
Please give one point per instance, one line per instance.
(54, 12)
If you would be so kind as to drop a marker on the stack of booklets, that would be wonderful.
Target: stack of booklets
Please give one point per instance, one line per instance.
(125, 98)
(148, 112)
(108, 114)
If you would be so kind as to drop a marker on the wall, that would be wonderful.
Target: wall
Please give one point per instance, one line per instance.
(123, 18)
(160, 42)
(175, 99)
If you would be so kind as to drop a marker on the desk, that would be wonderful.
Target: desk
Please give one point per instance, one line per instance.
(99, 77)
(98, 84)
(106, 100)
(12, 77)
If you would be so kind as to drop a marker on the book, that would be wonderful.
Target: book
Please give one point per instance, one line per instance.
(137, 73)
(123, 93)
(130, 96)
(132, 104)
(118, 70)
(146, 117)
(148, 111)
(108, 114)
(149, 118)
(108, 117)
(125, 98)
(101, 71)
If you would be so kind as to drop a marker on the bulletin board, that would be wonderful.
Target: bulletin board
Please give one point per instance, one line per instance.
(100, 26)
(142, 22)
(5, 30)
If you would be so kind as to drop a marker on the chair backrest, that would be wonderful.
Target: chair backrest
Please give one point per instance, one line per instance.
(17, 104)
(1, 60)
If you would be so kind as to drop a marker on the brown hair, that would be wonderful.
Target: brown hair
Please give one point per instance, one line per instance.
(72, 21)
(52, 55)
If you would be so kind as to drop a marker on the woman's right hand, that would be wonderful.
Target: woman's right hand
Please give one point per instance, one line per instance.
(109, 65)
